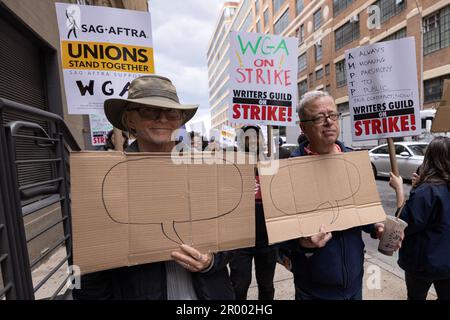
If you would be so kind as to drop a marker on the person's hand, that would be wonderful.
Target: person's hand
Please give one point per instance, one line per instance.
(379, 229)
(192, 259)
(316, 241)
(399, 243)
(395, 182)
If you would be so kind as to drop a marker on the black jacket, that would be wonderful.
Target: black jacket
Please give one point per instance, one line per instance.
(425, 250)
(148, 282)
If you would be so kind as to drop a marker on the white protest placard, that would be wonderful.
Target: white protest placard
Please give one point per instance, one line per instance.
(227, 135)
(383, 90)
(100, 126)
(102, 50)
(263, 79)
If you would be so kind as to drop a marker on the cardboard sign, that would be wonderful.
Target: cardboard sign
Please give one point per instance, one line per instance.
(383, 91)
(338, 191)
(100, 126)
(102, 50)
(263, 79)
(137, 208)
(441, 121)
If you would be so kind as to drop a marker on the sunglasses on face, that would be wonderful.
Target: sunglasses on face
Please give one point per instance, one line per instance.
(155, 113)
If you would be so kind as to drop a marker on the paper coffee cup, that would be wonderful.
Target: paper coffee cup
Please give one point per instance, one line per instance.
(393, 228)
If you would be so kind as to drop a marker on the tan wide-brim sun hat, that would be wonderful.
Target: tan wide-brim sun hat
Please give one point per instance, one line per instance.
(151, 91)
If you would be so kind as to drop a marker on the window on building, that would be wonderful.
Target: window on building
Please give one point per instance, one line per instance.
(299, 6)
(346, 34)
(433, 88)
(390, 8)
(395, 36)
(340, 5)
(328, 88)
(343, 107)
(301, 34)
(341, 74)
(266, 18)
(258, 26)
(282, 23)
(327, 69)
(302, 88)
(436, 30)
(277, 5)
(256, 7)
(318, 51)
(302, 62)
(319, 74)
(317, 19)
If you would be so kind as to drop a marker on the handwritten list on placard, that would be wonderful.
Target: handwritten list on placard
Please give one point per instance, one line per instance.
(383, 90)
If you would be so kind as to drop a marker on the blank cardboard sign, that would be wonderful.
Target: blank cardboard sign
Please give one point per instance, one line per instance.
(441, 121)
(137, 208)
(338, 191)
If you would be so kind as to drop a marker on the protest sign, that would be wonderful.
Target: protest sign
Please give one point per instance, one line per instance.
(383, 90)
(100, 126)
(137, 208)
(263, 79)
(102, 50)
(340, 193)
(441, 121)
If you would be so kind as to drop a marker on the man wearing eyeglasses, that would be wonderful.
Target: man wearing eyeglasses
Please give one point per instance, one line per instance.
(328, 265)
(151, 113)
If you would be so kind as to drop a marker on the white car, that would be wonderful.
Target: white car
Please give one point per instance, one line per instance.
(409, 157)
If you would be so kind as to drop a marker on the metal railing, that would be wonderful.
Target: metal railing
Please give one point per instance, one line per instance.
(20, 200)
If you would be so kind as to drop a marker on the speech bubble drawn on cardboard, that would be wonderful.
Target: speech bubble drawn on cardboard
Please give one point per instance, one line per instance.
(338, 191)
(168, 228)
(148, 204)
(346, 192)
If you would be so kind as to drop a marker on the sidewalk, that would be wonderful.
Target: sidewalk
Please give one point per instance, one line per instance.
(381, 282)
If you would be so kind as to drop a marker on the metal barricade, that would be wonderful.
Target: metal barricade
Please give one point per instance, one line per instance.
(21, 200)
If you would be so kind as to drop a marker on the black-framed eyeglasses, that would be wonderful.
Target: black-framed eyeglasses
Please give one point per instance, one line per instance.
(321, 118)
(155, 113)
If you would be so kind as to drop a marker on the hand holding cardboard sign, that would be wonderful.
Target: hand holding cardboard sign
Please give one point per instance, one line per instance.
(316, 241)
(192, 259)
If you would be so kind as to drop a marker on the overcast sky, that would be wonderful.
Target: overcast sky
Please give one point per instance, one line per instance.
(182, 30)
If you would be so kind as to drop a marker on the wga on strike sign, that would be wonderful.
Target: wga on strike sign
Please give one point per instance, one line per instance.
(383, 90)
(263, 79)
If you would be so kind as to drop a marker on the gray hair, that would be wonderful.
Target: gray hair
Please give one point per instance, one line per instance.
(309, 97)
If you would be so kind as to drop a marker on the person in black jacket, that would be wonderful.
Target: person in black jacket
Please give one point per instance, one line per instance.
(425, 252)
(151, 113)
(328, 265)
(265, 256)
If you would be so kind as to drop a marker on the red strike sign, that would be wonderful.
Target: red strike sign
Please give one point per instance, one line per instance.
(403, 123)
(256, 112)
(99, 140)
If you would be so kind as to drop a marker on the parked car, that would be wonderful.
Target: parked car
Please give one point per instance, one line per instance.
(409, 157)
(289, 147)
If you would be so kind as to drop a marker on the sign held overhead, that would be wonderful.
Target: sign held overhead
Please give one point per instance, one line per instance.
(383, 91)
(263, 73)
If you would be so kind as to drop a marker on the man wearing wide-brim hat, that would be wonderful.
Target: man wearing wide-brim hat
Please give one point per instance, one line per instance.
(152, 112)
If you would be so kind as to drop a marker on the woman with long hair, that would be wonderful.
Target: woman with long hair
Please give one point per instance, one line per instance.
(425, 251)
